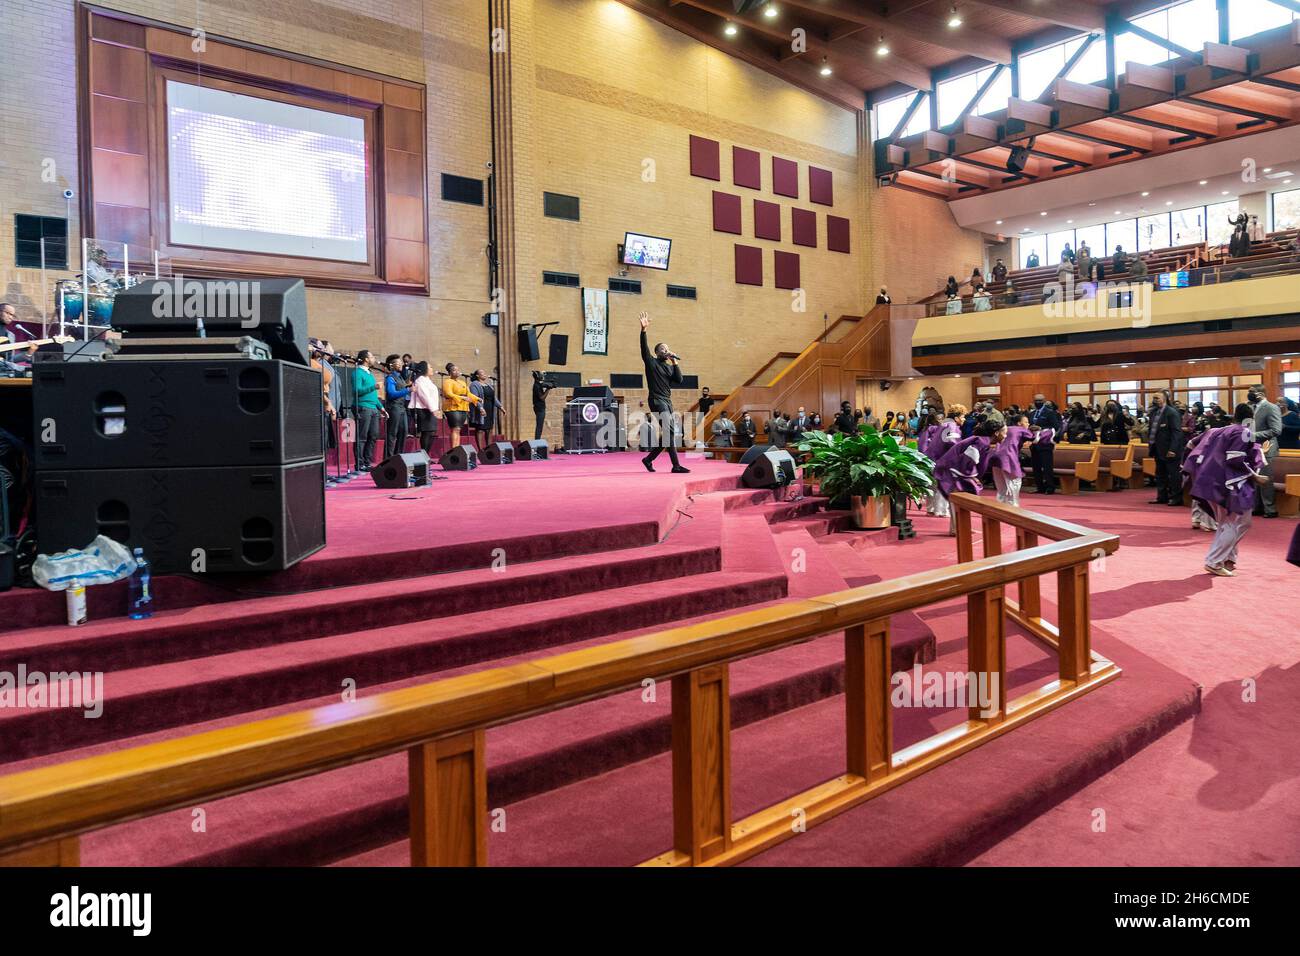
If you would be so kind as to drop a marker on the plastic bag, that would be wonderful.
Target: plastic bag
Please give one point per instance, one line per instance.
(103, 561)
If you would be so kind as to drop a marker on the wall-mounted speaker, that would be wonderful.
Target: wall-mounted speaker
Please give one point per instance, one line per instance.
(528, 351)
(1017, 159)
(559, 354)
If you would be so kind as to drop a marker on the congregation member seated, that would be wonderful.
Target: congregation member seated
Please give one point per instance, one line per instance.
(982, 300)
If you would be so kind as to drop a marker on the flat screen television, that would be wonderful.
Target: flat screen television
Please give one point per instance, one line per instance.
(1172, 280)
(649, 252)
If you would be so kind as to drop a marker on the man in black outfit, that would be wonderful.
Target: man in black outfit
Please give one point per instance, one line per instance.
(541, 388)
(661, 373)
(1044, 416)
(1165, 440)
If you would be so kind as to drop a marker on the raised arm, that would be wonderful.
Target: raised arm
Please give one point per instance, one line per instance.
(646, 355)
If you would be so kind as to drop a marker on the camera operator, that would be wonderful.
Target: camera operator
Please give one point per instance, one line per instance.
(541, 388)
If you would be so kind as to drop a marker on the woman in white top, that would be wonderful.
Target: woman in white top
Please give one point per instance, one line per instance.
(426, 404)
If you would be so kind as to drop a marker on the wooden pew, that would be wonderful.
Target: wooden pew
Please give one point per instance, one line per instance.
(1286, 482)
(1123, 469)
(1102, 472)
(1065, 461)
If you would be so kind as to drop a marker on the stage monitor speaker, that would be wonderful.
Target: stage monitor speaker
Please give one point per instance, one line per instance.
(176, 413)
(773, 469)
(272, 310)
(534, 449)
(528, 351)
(499, 453)
(211, 520)
(460, 458)
(402, 471)
(755, 452)
(1017, 158)
(559, 354)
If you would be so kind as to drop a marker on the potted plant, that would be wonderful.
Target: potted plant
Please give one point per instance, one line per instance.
(867, 471)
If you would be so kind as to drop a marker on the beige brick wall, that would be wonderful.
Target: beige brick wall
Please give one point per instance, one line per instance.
(596, 90)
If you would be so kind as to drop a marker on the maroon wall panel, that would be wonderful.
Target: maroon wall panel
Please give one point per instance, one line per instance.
(746, 168)
(785, 177)
(803, 227)
(749, 265)
(837, 234)
(767, 220)
(787, 270)
(704, 158)
(819, 186)
(726, 213)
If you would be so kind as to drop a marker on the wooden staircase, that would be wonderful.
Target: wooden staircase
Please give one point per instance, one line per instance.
(875, 346)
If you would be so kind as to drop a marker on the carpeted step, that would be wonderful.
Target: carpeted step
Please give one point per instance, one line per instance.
(120, 643)
(35, 607)
(172, 694)
(940, 818)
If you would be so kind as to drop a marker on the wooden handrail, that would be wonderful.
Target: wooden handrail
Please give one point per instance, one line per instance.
(443, 722)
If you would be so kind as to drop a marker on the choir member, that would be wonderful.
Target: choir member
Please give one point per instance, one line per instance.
(945, 435)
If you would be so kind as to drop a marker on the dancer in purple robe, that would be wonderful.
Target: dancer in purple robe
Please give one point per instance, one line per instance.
(959, 468)
(1227, 466)
(1293, 555)
(948, 435)
(1008, 472)
(1202, 516)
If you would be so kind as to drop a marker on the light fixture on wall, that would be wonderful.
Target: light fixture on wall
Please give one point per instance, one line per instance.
(882, 48)
(826, 67)
(954, 18)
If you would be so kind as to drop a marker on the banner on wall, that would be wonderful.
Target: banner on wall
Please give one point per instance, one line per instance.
(595, 321)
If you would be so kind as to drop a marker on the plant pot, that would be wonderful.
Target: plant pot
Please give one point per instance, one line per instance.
(872, 512)
(812, 484)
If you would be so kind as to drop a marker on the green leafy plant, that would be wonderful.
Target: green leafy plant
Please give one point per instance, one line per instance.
(867, 464)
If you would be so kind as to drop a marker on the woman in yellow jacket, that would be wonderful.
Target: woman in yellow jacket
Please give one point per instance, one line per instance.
(457, 398)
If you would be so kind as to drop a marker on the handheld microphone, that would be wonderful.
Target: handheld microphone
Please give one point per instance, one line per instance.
(674, 356)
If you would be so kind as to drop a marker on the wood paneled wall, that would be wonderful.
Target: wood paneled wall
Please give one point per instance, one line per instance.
(125, 62)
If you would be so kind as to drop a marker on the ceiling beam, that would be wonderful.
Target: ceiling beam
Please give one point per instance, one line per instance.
(912, 26)
(1066, 13)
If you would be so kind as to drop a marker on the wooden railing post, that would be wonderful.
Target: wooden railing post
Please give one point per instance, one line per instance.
(1075, 622)
(965, 537)
(702, 763)
(869, 720)
(65, 852)
(1031, 602)
(992, 529)
(448, 798)
(987, 652)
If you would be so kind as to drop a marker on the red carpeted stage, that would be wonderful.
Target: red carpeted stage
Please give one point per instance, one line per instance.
(515, 562)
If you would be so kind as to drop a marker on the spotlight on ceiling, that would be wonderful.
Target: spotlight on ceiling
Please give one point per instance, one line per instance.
(769, 10)
(730, 29)
(826, 67)
(882, 48)
(954, 18)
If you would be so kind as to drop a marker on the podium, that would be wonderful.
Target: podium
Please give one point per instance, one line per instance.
(594, 421)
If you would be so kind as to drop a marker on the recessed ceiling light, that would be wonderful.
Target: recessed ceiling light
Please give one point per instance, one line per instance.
(1204, 181)
(999, 222)
(1169, 202)
(1118, 213)
(1146, 194)
(769, 10)
(826, 67)
(1092, 204)
(1268, 169)
(1042, 214)
(1224, 193)
(1069, 222)
(882, 48)
(1286, 182)
(729, 29)
(954, 18)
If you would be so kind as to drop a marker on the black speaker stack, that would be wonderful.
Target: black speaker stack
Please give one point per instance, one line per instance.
(205, 451)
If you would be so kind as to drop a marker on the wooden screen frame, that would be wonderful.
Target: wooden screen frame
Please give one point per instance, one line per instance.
(123, 65)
